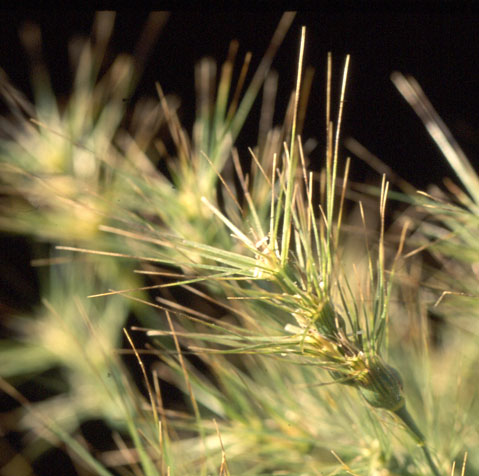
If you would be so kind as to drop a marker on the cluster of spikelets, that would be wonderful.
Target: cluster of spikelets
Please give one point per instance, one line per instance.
(249, 297)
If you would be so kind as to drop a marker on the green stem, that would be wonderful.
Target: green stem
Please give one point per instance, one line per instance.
(432, 465)
(407, 419)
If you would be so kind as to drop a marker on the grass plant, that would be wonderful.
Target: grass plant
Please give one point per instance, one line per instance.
(283, 329)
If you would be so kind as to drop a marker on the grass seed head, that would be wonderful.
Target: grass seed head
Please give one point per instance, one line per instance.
(381, 385)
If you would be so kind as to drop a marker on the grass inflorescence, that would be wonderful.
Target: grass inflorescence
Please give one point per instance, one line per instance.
(274, 320)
